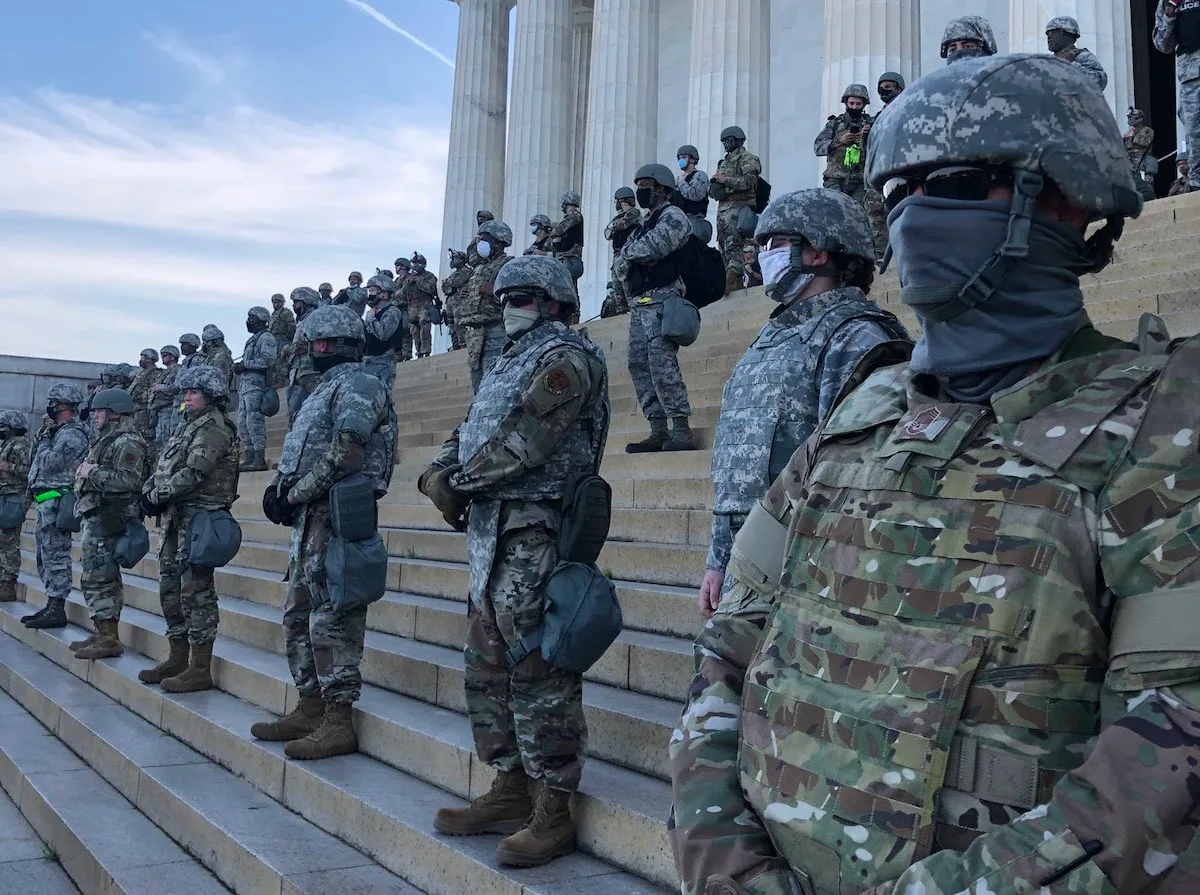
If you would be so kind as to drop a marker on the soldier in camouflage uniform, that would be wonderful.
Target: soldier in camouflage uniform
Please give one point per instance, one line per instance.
(1139, 146)
(540, 416)
(61, 445)
(618, 231)
(384, 324)
(283, 321)
(1061, 34)
(324, 297)
(843, 142)
(959, 652)
(353, 295)
(255, 372)
(197, 471)
(734, 186)
(818, 264)
(215, 353)
(111, 376)
(107, 485)
(301, 377)
(140, 389)
(404, 341)
(347, 426)
(419, 298)
(891, 84)
(967, 37)
(648, 265)
(474, 259)
(540, 226)
(16, 454)
(480, 312)
(164, 412)
(1180, 184)
(453, 288)
(566, 240)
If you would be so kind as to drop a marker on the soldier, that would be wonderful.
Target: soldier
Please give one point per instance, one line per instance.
(968, 661)
(967, 37)
(1061, 34)
(1180, 184)
(140, 389)
(567, 240)
(1139, 146)
(691, 183)
(420, 296)
(61, 445)
(347, 426)
(16, 454)
(480, 312)
(734, 186)
(197, 471)
(618, 231)
(649, 265)
(324, 297)
(302, 377)
(843, 142)
(540, 226)
(353, 295)
(384, 324)
(818, 263)
(609, 307)
(215, 353)
(283, 321)
(255, 372)
(752, 271)
(540, 416)
(403, 349)
(891, 84)
(474, 259)
(453, 288)
(189, 347)
(107, 484)
(164, 412)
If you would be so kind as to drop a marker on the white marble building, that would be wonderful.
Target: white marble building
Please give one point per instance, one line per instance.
(592, 89)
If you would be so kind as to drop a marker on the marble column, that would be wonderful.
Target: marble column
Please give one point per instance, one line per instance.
(863, 39)
(1104, 29)
(475, 165)
(581, 57)
(541, 122)
(622, 114)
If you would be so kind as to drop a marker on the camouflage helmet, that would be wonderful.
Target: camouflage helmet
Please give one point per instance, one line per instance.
(1181, 155)
(1063, 23)
(572, 197)
(456, 257)
(278, 296)
(537, 272)
(625, 193)
(485, 214)
(115, 399)
(859, 90)
(324, 287)
(150, 353)
(1029, 112)
(259, 313)
(418, 258)
(11, 419)
(733, 131)
(892, 76)
(334, 322)
(975, 28)
(497, 231)
(64, 393)
(353, 274)
(826, 219)
(660, 174)
(190, 339)
(688, 150)
(386, 284)
(204, 378)
(171, 350)
(306, 295)
(403, 263)
(212, 333)
(1135, 114)
(541, 221)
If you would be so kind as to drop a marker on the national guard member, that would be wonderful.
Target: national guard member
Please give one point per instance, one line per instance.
(1177, 32)
(539, 417)
(61, 445)
(255, 372)
(164, 412)
(734, 186)
(301, 377)
(107, 485)
(419, 298)
(215, 353)
(1061, 34)
(346, 426)
(960, 651)
(843, 142)
(480, 312)
(1139, 146)
(454, 289)
(140, 390)
(283, 321)
(353, 295)
(16, 454)
(620, 228)
(324, 297)
(384, 324)
(196, 472)
(540, 226)
(967, 37)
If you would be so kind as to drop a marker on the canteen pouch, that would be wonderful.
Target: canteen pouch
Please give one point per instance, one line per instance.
(269, 405)
(355, 571)
(680, 321)
(12, 511)
(701, 228)
(435, 315)
(587, 514)
(352, 508)
(214, 538)
(65, 519)
(132, 544)
(747, 221)
(575, 266)
(581, 620)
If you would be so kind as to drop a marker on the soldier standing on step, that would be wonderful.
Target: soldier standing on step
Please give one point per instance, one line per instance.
(419, 298)
(453, 288)
(618, 231)
(215, 353)
(474, 259)
(647, 265)
(163, 415)
(818, 264)
(283, 321)
(480, 312)
(301, 376)
(324, 297)
(354, 296)
(1061, 34)
(346, 426)
(1139, 146)
(255, 372)
(384, 324)
(62, 444)
(843, 143)
(734, 186)
(959, 654)
(539, 417)
(107, 485)
(141, 389)
(404, 341)
(16, 454)
(197, 471)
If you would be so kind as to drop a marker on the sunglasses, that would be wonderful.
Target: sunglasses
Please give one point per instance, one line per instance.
(520, 298)
(967, 183)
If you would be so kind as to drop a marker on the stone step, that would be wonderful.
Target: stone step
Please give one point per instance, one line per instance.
(247, 839)
(27, 865)
(102, 842)
(382, 800)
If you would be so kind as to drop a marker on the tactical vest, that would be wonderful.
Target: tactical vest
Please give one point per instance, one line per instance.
(770, 402)
(377, 346)
(690, 206)
(934, 663)
(106, 454)
(208, 431)
(648, 277)
(571, 240)
(42, 480)
(501, 391)
(1187, 27)
(16, 450)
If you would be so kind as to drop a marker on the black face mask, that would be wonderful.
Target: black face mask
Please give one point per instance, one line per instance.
(645, 197)
(730, 145)
(888, 95)
(854, 113)
(1057, 41)
(323, 363)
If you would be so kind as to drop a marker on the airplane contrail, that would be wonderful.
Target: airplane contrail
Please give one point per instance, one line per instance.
(388, 23)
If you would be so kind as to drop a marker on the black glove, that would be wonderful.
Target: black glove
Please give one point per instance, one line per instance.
(149, 507)
(275, 505)
(434, 483)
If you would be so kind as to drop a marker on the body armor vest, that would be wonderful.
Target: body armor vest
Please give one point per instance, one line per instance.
(377, 346)
(690, 206)
(209, 432)
(1187, 27)
(106, 454)
(41, 476)
(501, 391)
(648, 277)
(16, 450)
(251, 354)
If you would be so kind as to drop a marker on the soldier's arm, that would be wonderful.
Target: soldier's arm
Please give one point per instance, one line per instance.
(670, 233)
(824, 140)
(447, 454)
(751, 169)
(720, 543)
(127, 472)
(569, 220)
(1164, 37)
(1093, 69)
(525, 439)
(697, 188)
(383, 326)
(846, 349)
(359, 407)
(263, 356)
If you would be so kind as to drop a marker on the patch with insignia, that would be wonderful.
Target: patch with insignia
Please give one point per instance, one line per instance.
(927, 424)
(557, 382)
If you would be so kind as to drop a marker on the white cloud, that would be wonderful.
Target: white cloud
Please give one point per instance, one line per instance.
(186, 55)
(388, 23)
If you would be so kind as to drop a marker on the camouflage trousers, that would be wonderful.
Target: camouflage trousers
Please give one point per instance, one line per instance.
(324, 647)
(53, 552)
(1189, 114)
(101, 579)
(530, 716)
(620, 296)
(877, 215)
(382, 366)
(458, 337)
(485, 344)
(186, 592)
(654, 363)
(730, 242)
(420, 329)
(251, 424)
(169, 418)
(10, 553)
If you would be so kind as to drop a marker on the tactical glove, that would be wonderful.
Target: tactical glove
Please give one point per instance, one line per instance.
(275, 505)
(434, 483)
(149, 507)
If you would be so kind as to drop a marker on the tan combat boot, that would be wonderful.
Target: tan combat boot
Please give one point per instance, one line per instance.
(658, 437)
(197, 676)
(549, 834)
(174, 664)
(682, 437)
(335, 736)
(733, 281)
(504, 808)
(8, 591)
(106, 645)
(76, 645)
(300, 722)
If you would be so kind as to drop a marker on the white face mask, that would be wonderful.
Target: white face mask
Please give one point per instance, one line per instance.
(533, 230)
(774, 263)
(484, 248)
(518, 321)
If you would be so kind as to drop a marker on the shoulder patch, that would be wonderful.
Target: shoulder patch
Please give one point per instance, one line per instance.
(556, 381)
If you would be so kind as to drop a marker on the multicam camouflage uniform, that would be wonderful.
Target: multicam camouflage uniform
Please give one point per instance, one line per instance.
(1139, 144)
(257, 368)
(480, 314)
(162, 400)
(16, 454)
(453, 287)
(141, 388)
(740, 188)
(215, 353)
(57, 453)
(282, 325)
(840, 174)
(419, 296)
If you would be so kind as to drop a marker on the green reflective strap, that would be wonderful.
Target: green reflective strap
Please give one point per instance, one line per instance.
(47, 495)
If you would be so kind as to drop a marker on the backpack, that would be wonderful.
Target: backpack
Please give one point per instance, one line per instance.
(762, 196)
(703, 271)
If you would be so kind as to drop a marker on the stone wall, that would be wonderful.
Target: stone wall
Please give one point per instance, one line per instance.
(25, 380)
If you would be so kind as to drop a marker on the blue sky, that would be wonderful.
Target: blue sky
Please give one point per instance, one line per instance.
(167, 164)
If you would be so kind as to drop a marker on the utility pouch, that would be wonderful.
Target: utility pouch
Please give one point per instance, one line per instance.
(680, 321)
(587, 514)
(132, 544)
(12, 511)
(435, 315)
(352, 508)
(214, 538)
(65, 519)
(269, 405)
(355, 571)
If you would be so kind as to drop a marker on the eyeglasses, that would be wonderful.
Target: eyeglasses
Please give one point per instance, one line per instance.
(967, 183)
(520, 298)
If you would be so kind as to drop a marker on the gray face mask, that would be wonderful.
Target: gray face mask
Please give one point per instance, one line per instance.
(1036, 306)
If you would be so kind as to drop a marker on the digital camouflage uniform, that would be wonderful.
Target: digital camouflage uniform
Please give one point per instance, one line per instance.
(1187, 71)
(59, 449)
(170, 416)
(840, 174)
(354, 297)
(215, 353)
(161, 401)
(302, 378)
(454, 289)
(16, 452)
(107, 497)
(257, 365)
(618, 231)
(419, 296)
(741, 170)
(1085, 60)
(198, 470)
(383, 327)
(480, 314)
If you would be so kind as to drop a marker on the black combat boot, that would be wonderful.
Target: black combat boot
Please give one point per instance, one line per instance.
(658, 437)
(52, 615)
(682, 438)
